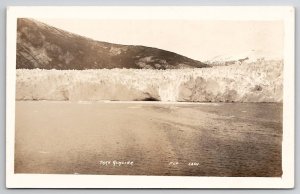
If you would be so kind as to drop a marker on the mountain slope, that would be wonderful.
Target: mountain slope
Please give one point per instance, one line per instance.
(45, 47)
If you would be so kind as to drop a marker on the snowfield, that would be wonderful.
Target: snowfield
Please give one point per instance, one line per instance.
(259, 81)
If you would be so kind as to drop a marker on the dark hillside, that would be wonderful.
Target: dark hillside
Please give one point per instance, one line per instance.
(45, 47)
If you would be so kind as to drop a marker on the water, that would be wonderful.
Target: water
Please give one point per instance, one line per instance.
(213, 139)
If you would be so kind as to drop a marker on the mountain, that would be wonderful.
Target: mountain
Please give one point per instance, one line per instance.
(249, 57)
(42, 46)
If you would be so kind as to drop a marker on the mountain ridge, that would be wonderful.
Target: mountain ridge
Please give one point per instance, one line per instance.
(45, 47)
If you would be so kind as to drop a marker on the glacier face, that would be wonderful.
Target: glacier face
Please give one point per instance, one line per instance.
(247, 82)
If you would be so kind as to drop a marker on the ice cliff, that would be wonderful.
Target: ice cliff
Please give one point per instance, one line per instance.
(259, 81)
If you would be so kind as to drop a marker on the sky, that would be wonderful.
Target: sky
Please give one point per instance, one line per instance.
(197, 39)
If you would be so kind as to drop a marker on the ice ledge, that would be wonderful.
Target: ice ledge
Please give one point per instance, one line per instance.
(249, 82)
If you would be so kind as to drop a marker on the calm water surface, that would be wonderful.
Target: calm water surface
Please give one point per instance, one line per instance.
(213, 139)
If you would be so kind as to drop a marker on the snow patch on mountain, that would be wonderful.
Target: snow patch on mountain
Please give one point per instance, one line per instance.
(251, 56)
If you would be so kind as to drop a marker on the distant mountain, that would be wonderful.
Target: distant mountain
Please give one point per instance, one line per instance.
(46, 47)
(249, 57)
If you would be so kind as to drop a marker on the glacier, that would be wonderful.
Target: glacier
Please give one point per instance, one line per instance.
(260, 81)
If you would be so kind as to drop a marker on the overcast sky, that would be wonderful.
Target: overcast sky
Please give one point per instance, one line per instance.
(200, 40)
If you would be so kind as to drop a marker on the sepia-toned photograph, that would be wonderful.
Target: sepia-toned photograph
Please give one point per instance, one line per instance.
(149, 97)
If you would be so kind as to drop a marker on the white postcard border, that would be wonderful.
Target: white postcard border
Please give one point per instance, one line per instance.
(285, 13)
